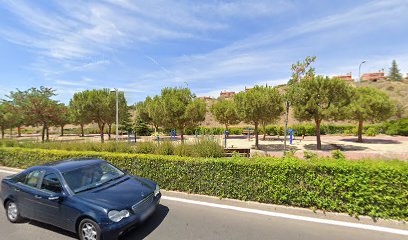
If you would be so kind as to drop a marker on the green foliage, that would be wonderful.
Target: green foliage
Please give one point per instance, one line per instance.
(309, 155)
(181, 109)
(259, 105)
(397, 127)
(225, 112)
(372, 131)
(36, 106)
(141, 128)
(395, 74)
(151, 111)
(320, 98)
(78, 110)
(165, 148)
(369, 104)
(337, 154)
(375, 188)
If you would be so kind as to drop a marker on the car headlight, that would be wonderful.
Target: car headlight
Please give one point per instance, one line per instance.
(156, 190)
(116, 216)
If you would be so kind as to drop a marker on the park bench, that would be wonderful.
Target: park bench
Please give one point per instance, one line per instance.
(246, 131)
(244, 152)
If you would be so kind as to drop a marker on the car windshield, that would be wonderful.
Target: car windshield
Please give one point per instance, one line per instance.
(91, 176)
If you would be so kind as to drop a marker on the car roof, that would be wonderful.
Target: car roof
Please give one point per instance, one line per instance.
(71, 164)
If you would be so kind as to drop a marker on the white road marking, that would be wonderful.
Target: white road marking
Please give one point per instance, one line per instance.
(290, 216)
(281, 215)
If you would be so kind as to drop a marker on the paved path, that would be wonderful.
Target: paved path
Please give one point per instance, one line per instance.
(175, 219)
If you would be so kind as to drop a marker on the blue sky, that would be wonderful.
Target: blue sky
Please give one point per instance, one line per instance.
(209, 46)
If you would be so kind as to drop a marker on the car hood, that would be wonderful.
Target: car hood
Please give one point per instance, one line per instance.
(120, 194)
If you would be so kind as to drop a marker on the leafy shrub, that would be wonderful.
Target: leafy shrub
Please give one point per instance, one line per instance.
(371, 131)
(309, 155)
(397, 127)
(373, 188)
(145, 147)
(337, 154)
(165, 148)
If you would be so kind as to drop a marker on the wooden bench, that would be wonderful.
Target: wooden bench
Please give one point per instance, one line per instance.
(243, 152)
(246, 131)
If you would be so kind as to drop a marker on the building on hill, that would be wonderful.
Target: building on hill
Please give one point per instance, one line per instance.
(206, 98)
(373, 77)
(348, 77)
(226, 94)
(246, 89)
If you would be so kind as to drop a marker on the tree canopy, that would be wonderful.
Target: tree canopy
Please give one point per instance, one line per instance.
(181, 109)
(395, 74)
(321, 98)
(370, 104)
(225, 112)
(259, 104)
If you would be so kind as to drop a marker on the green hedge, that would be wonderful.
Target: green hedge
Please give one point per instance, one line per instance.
(373, 188)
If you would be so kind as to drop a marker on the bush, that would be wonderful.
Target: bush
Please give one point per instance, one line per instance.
(145, 147)
(309, 155)
(397, 127)
(337, 154)
(165, 148)
(373, 188)
(372, 131)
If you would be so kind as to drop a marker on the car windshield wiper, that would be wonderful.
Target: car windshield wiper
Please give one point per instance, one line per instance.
(99, 184)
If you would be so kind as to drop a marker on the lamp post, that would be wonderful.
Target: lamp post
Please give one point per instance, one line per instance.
(117, 114)
(359, 70)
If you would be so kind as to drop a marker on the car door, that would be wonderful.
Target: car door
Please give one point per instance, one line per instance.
(49, 198)
(26, 188)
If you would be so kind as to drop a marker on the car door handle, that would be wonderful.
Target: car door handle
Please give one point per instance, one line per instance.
(16, 189)
(37, 196)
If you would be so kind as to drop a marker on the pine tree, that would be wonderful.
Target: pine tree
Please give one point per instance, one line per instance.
(395, 74)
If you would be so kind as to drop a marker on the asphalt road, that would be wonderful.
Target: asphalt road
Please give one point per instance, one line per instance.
(178, 220)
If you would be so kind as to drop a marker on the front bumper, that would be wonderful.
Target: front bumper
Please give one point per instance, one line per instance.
(111, 231)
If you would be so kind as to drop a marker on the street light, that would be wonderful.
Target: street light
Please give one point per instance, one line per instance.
(359, 70)
(117, 114)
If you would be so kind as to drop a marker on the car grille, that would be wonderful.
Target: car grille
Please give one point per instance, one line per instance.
(143, 204)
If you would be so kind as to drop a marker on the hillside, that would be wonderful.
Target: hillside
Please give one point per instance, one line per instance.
(398, 91)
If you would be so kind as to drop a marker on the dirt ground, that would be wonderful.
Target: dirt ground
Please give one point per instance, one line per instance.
(378, 147)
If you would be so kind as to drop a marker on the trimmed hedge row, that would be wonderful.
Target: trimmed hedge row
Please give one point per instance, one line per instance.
(373, 188)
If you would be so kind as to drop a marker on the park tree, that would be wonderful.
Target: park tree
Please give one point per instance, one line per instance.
(150, 111)
(321, 98)
(62, 117)
(400, 109)
(5, 117)
(394, 74)
(370, 104)
(78, 111)
(97, 103)
(257, 105)
(225, 112)
(301, 70)
(37, 107)
(181, 109)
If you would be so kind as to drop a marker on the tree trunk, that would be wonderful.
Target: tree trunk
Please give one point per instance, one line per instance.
(256, 136)
(11, 132)
(62, 130)
(101, 128)
(360, 131)
(82, 130)
(286, 127)
(43, 133)
(318, 140)
(18, 131)
(109, 131)
(182, 135)
(2, 132)
(48, 133)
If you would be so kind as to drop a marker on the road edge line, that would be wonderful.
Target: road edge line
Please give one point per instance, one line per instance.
(291, 216)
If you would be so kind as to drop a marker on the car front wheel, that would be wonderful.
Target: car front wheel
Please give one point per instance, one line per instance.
(89, 230)
(13, 214)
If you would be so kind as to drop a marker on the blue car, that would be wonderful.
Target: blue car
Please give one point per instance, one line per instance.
(89, 197)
